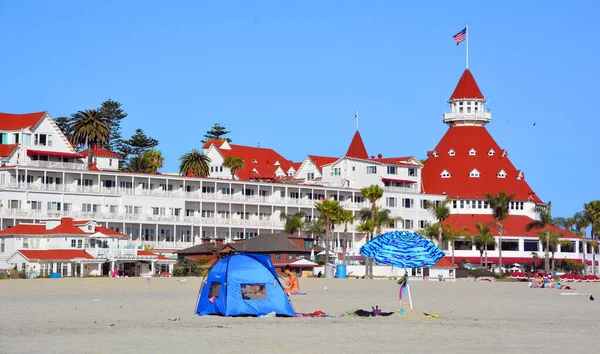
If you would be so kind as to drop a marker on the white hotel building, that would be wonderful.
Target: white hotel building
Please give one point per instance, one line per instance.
(42, 177)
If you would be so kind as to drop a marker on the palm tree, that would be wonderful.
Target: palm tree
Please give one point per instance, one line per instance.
(89, 128)
(484, 239)
(576, 224)
(383, 218)
(194, 161)
(552, 239)
(293, 223)
(234, 164)
(430, 231)
(499, 204)
(441, 212)
(345, 217)
(368, 227)
(138, 164)
(545, 221)
(153, 159)
(453, 235)
(329, 210)
(592, 214)
(373, 193)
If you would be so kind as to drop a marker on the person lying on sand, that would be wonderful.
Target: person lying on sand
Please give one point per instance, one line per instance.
(292, 281)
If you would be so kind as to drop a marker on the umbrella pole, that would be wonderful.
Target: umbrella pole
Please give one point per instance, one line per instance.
(408, 290)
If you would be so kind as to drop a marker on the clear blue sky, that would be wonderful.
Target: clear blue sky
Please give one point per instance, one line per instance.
(289, 75)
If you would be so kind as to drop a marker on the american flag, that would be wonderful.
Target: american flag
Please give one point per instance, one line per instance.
(460, 36)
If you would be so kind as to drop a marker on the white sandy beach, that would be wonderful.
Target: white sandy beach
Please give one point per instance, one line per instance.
(130, 315)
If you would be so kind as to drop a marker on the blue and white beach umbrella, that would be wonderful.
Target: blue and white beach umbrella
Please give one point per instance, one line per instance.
(403, 249)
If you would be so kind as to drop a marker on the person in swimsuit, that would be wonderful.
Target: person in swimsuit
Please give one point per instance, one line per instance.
(291, 281)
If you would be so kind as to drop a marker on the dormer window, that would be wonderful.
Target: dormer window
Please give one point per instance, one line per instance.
(254, 161)
(504, 153)
(472, 152)
(501, 174)
(474, 173)
(435, 154)
(521, 175)
(445, 174)
(276, 163)
(491, 152)
(451, 153)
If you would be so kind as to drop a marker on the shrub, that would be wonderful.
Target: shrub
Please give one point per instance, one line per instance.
(178, 271)
(203, 262)
(482, 273)
(321, 262)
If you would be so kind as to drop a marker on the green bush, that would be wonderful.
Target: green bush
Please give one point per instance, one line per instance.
(179, 271)
(482, 273)
(321, 262)
(203, 262)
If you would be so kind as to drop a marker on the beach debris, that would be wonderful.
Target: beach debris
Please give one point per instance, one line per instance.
(325, 287)
(218, 326)
(269, 315)
(576, 294)
(111, 325)
(434, 315)
(592, 297)
(174, 319)
(96, 300)
(181, 281)
(401, 311)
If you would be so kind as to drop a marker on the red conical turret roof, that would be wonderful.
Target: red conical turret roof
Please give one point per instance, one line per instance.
(357, 148)
(467, 87)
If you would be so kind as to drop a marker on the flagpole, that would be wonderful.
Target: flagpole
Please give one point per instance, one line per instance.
(357, 120)
(467, 35)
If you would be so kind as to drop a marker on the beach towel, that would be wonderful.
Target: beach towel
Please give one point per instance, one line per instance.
(363, 313)
(402, 283)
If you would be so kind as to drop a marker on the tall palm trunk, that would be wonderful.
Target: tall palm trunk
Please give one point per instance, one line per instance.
(440, 233)
(584, 245)
(553, 261)
(486, 259)
(370, 260)
(452, 251)
(345, 241)
(481, 257)
(500, 232)
(90, 154)
(547, 253)
(593, 260)
(327, 241)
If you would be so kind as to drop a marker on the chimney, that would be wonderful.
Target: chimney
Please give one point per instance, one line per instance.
(380, 156)
(190, 173)
(94, 167)
(268, 163)
(372, 157)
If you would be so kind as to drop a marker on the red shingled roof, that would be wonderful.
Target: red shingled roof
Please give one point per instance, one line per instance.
(321, 161)
(66, 227)
(9, 121)
(55, 255)
(100, 153)
(158, 256)
(357, 148)
(7, 149)
(265, 161)
(467, 87)
(217, 142)
(444, 263)
(461, 139)
(514, 225)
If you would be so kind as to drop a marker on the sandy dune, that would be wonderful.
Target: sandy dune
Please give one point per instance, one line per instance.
(130, 315)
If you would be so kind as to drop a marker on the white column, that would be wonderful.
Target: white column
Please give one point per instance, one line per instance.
(152, 268)
(99, 268)
(171, 268)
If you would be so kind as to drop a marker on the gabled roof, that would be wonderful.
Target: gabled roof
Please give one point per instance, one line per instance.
(269, 243)
(216, 142)
(357, 148)
(321, 161)
(205, 248)
(100, 153)
(261, 159)
(66, 227)
(514, 225)
(55, 255)
(444, 263)
(466, 87)
(7, 149)
(461, 139)
(9, 121)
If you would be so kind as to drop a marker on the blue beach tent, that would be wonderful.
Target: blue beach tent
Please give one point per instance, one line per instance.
(243, 284)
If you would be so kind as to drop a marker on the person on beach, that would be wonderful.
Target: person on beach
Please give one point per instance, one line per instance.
(292, 281)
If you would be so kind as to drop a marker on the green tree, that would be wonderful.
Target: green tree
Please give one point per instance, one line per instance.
(216, 132)
(577, 224)
(134, 146)
(194, 161)
(138, 164)
(383, 218)
(552, 239)
(430, 231)
(440, 211)
(592, 214)
(329, 210)
(345, 217)
(373, 193)
(545, 221)
(499, 204)
(293, 223)
(484, 239)
(88, 128)
(64, 124)
(234, 164)
(454, 235)
(154, 160)
(112, 112)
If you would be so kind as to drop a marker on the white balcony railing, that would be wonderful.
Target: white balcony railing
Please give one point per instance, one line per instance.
(56, 164)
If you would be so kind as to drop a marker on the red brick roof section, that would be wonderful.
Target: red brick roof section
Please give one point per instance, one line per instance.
(55, 255)
(66, 227)
(7, 149)
(467, 87)
(9, 121)
(357, 148)
(514, 225)
(321, 161)
(261, 159)
(101, 153)
(461, 139)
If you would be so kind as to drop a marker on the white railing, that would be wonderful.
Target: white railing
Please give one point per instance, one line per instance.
(401, 189)
(108, 252)
(56, 164)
